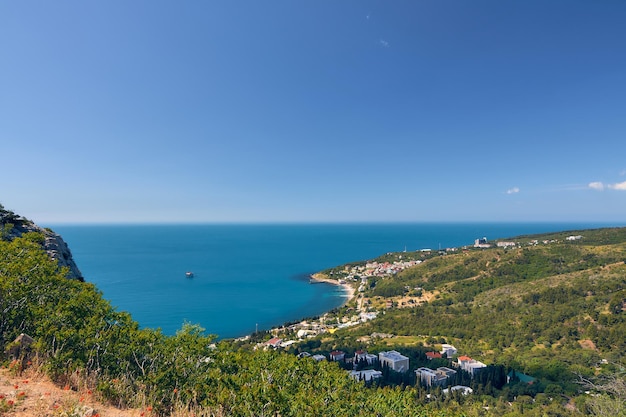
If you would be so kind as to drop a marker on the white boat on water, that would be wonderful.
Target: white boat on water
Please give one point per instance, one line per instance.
(189, 274)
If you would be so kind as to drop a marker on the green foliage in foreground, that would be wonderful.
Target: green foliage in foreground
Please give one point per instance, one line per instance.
(75, 329)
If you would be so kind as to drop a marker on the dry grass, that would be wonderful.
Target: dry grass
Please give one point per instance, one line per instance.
(30, 393)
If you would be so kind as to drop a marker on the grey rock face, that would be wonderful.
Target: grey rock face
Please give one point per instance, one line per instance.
(59, 251)
(12, 226)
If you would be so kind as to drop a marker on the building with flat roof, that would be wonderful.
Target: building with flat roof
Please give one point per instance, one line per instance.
(337, 355)
(434, 377)
(394, 360)
(448, 350)
(470, 365)
(366, 375)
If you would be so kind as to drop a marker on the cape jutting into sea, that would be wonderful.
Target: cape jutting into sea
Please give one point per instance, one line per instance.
(248, 276)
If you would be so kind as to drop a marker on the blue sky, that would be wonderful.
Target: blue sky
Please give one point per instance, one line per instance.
(324, 111)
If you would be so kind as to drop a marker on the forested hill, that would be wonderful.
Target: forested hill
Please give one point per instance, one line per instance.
(551, 307)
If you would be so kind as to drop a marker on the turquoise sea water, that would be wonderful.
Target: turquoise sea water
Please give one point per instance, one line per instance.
(247, 275)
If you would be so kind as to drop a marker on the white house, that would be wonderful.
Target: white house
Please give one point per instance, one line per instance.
(274, 342)
(470, 365)
(464, 390)
(337, 355)
(366, 375)
(362, 355)
(505, 244)
(395, 360)
(319, 358)
(448, 350)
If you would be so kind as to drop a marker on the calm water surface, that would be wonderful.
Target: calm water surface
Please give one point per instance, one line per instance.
(247, 275)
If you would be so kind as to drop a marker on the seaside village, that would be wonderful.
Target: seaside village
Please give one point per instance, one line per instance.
(447, 369)
(369, 368)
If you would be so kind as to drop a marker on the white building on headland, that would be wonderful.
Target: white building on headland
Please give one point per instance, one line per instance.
(395, 360)
(481, 243)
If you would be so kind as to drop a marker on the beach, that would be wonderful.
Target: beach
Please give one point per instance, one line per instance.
(349, 289)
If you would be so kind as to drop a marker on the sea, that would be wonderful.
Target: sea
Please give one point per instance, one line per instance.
(248, 277)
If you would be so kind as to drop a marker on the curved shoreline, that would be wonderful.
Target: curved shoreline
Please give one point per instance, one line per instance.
(349, 289)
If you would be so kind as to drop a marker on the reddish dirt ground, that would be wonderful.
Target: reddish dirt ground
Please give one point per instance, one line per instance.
(31, 394)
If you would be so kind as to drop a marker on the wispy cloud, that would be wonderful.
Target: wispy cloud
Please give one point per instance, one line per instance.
(596, 185)
(621, 186)
(513, 190)
(622, 172)
(383, 43)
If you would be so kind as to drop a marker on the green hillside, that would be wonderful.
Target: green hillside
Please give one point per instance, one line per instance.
(553, 311)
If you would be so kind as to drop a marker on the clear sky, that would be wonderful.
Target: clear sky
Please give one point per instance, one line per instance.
(313, 111)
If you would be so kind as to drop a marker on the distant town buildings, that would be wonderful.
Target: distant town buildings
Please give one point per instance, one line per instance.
(505, 244)
(377, 269)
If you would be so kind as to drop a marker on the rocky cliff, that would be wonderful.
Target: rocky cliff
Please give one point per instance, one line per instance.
(12, 226)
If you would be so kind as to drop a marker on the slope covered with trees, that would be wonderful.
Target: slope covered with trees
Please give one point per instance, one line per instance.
(552, 311)
(77, 332)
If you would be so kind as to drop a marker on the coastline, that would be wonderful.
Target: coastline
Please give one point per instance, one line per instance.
(349, 289)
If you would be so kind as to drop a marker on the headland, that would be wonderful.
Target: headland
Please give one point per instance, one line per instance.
(321, 277)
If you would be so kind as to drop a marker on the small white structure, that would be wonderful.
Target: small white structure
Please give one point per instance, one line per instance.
(448, 350)
(366, 375)
(368, 316)
(395, 360)
(319, 358)
(505, 244)
(371, 359)
(337, 355)
(464, 390)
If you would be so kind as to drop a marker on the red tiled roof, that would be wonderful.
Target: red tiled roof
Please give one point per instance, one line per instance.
(433, 355)
(464, 358)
